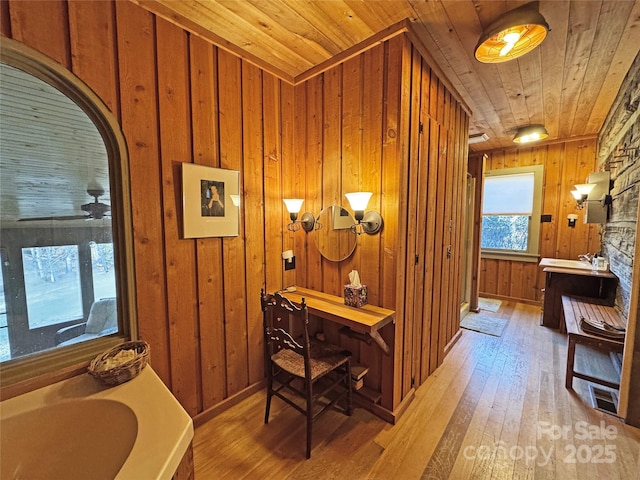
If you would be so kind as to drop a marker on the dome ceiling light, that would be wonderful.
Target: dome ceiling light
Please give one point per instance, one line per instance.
(512, 35)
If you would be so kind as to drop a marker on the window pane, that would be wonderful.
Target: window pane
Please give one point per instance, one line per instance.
(52, 284)
(104, 278)
(508, 194)
(505, 232)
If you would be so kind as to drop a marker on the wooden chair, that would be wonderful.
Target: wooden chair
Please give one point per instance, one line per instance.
(299, 368)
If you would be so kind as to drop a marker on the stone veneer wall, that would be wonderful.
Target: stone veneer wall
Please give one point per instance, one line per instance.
(619, 152)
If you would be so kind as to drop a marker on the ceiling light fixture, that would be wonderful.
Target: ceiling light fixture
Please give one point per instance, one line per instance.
(512, 35)
(530, 133)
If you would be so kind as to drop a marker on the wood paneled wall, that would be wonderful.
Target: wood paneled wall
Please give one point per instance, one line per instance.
(565, 164)
(380, 121)
(383, 121)
(181, 99)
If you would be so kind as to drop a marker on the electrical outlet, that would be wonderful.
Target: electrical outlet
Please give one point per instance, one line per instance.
(290, 264)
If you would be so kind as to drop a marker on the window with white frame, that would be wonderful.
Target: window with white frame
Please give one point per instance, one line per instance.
(511, 208)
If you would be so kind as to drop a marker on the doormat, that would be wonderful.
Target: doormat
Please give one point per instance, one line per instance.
(489, 304)
(479, 322)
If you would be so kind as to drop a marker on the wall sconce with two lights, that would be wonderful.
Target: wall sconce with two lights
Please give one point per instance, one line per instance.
(366, 222)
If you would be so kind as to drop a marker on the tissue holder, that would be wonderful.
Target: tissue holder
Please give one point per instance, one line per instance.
(355, 296)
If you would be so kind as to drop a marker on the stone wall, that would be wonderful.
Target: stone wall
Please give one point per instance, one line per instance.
(619, 152)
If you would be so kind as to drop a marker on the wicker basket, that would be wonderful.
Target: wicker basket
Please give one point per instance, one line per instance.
(122, 372)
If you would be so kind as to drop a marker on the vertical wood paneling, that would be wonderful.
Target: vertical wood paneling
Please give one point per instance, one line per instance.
(5, 20)
(395, 181)
(180, 266)
(92, 39)
(413, 290)
(253, 172)
(371, 160)
(231, 155)
(311, 157)
(291, 170)
(273, 228)
(565, 164)
(136, 55)
(180, 99)
(204, 100)
(32, 21)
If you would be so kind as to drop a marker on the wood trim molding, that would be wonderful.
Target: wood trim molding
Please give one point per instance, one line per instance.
(428, 58)
(376, 39)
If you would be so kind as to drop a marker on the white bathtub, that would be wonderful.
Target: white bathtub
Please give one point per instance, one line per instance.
(79, 429)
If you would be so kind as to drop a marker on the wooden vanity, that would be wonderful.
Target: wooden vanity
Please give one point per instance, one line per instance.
(562, 278)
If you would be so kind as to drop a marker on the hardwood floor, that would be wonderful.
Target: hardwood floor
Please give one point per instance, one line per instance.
(496, 409)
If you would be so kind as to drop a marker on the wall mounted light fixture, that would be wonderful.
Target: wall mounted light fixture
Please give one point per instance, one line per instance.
(512, 34)
(530, 133)
(307, 221)
(571, 220)
(369, 222)
(581, 193)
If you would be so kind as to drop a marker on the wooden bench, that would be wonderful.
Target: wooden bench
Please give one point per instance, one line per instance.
(575, 308)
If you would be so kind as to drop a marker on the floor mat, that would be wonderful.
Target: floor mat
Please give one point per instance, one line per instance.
(482, 323)
(489, 304)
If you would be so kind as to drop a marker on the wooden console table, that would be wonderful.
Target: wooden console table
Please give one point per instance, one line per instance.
(367, 320)
(595, 308)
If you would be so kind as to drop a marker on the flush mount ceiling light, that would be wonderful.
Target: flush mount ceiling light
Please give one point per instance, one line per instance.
(530, 133)
(512, 35)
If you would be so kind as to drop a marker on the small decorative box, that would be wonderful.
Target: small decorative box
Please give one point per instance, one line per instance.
(355, 296)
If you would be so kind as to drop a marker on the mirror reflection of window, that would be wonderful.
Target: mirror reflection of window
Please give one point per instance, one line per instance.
(60, 269)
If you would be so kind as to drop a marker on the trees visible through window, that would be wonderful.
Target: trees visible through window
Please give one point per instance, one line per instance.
(511, 211)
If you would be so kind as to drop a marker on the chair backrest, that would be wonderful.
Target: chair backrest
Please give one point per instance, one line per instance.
(283, 323)
(102, 316)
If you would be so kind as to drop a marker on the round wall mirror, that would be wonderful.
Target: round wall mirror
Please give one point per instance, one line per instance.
(333, 236)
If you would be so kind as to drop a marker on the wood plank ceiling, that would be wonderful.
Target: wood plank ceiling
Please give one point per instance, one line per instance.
(568, 83)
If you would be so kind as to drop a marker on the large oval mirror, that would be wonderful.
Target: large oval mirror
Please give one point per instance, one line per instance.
(65, 277)
(333, 237)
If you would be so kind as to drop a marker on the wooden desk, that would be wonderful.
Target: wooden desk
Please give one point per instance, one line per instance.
(366, 320)
(595, 308)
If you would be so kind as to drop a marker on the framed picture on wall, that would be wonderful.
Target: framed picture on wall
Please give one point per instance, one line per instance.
(210, 201)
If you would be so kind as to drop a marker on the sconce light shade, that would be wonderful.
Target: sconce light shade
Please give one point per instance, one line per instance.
(293, 204)
(512, 35)
(293, 207)
(358, 200)
(530, 133)
(235, 199)
(584, 188)
(370, 222)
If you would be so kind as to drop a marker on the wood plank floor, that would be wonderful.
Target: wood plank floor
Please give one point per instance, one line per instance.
(496, 409)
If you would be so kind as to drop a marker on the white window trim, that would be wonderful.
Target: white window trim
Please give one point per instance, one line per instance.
(533, 251)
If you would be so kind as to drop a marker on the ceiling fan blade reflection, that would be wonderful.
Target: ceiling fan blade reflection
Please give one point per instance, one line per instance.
(69, 217)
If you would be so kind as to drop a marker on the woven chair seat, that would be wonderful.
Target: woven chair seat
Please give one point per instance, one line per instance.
(293, 362)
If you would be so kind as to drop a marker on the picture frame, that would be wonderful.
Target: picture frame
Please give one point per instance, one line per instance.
(210, 201)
